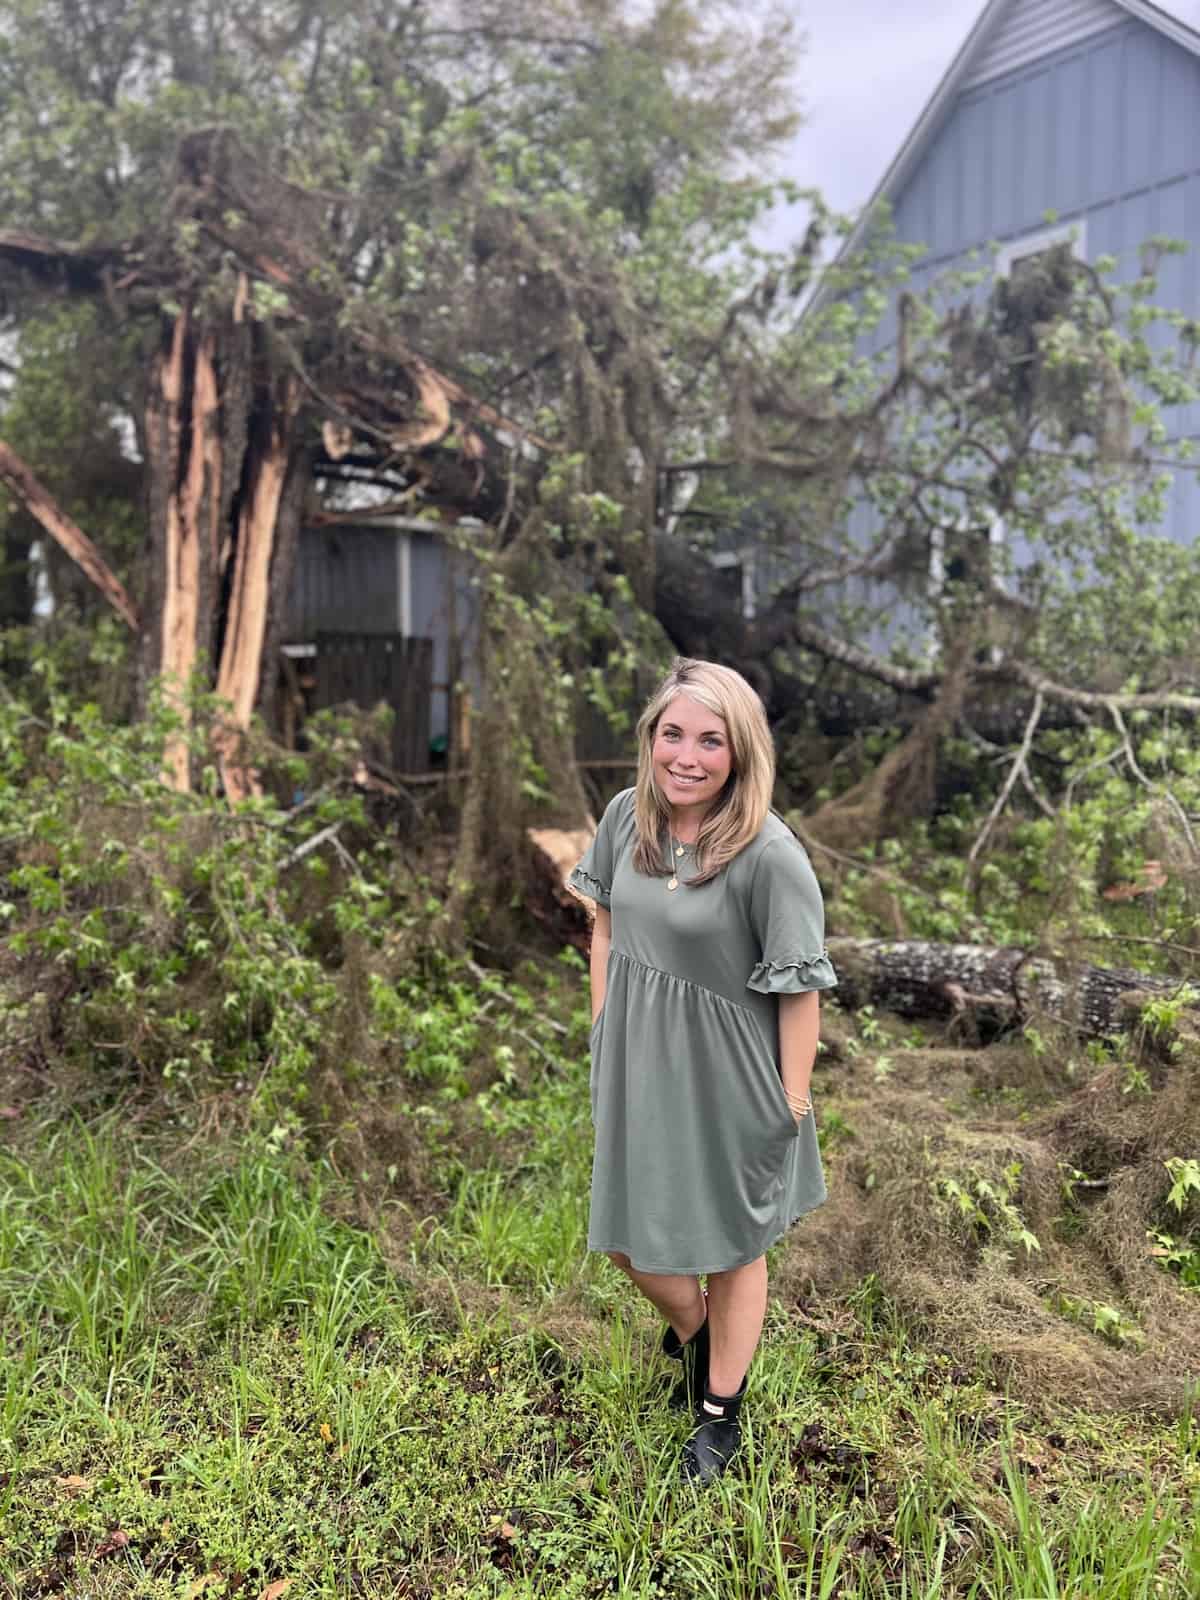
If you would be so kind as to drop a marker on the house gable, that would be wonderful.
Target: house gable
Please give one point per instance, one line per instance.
(1107, 128)
(1026, 30)
(1099, 130)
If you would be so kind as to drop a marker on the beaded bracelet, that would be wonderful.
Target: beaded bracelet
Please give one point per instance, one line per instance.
(800, 1104)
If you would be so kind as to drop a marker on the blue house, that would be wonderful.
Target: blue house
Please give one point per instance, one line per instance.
(1088, 110)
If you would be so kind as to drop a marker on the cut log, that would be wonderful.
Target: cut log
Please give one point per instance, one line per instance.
(915, 978)
(41, 504)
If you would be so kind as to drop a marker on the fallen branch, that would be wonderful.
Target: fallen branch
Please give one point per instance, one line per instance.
(1162, 789)
(42, 506)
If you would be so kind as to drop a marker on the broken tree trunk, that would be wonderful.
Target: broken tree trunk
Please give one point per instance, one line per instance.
(223, 466)
(183, 438)
(239, 676)
(40, 504)
(919, 979)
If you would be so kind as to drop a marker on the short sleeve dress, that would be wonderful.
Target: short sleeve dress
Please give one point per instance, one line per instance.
(699, 1163)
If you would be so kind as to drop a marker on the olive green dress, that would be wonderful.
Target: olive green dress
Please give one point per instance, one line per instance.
(699, 1164)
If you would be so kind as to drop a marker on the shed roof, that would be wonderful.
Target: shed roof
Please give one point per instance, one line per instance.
(1180, 22)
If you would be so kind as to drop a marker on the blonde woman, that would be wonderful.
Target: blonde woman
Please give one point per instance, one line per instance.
(707, 955)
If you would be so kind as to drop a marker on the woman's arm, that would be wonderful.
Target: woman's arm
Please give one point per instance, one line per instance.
(598, 961)
(799, 1030)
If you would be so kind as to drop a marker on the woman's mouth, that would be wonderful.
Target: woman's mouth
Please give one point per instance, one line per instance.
(680, 778)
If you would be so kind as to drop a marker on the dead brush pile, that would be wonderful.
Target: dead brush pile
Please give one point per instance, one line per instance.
(1007, 1208)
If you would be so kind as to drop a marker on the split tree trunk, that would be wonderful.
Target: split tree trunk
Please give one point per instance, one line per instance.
(225, 484)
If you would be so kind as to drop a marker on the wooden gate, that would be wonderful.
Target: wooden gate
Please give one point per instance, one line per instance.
(365, 668)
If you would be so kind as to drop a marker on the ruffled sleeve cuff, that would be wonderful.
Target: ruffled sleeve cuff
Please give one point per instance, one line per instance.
(793, 977)
(591, 888)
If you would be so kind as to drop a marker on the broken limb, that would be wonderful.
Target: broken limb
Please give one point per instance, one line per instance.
(41, 504)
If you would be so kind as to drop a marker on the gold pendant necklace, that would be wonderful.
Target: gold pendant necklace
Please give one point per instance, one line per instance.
(679, 848)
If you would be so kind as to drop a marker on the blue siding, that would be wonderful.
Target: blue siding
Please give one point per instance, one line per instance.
(1106, 131)
(1118, 113)
(1104, 142)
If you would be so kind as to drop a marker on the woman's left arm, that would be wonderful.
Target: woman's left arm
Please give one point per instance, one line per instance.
(799, 1030)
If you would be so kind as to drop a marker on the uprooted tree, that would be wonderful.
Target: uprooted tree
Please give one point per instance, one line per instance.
(489, 259)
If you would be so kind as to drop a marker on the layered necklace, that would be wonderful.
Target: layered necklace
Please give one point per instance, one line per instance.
(678, 849)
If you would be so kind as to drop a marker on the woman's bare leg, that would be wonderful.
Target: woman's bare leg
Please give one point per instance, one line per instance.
(677, 1295)
(737, 1305)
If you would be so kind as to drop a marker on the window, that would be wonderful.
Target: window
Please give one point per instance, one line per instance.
(1011, 257)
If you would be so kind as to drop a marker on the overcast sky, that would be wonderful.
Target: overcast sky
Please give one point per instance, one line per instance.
(868, 68)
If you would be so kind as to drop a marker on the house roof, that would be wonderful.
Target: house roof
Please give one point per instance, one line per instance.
(1179, 22)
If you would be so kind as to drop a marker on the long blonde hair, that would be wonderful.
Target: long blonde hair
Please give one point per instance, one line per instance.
(743, 804)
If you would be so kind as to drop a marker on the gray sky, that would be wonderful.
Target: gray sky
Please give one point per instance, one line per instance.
(869, 68)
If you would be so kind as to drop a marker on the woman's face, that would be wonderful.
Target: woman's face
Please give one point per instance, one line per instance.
(690, 756)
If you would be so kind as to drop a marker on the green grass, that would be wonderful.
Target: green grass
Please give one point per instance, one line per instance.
(196, 1352)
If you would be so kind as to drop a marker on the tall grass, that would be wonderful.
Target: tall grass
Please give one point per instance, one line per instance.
(194, 1351)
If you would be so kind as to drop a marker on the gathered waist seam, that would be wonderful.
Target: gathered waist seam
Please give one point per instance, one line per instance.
(686, 982)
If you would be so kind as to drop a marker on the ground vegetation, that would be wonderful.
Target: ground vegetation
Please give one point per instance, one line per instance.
(284, 1179)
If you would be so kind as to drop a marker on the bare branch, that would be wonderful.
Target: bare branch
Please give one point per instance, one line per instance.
(1160, 788)
(1020, 672)
(849, 655)
(1018, 767)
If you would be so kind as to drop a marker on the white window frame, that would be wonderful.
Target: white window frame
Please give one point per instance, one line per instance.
(1032, 244)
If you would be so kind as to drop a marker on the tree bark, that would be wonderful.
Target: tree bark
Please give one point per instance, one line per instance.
(189, 409)
(916, 978)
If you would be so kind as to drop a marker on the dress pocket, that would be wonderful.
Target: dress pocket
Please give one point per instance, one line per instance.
(788, 1115)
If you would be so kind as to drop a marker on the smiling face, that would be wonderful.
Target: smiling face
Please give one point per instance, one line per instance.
(691, 759)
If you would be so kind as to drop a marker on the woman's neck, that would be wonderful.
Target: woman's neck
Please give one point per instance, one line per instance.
(685, 827)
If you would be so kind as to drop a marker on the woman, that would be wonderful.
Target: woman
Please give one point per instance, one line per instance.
(707, 955)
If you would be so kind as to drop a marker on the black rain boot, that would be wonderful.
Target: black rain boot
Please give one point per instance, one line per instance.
(694, 1356)
(717, 1437)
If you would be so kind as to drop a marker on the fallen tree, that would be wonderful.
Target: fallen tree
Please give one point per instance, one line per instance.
(1011, 988)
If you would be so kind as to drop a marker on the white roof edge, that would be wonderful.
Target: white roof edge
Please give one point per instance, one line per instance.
(913, 148)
